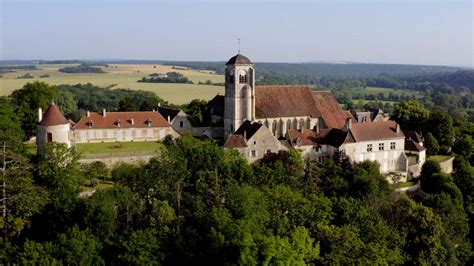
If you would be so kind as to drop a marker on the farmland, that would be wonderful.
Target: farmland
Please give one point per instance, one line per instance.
(123, 76)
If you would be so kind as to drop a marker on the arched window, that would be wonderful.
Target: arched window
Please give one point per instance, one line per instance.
(288, 124)
(243, 78)
(274, 126)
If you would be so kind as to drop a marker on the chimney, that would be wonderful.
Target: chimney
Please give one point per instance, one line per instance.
(88, 114)
(245, 134)
(398, 128)
(348, 123)
(159, 104)
(40, 114)
(154, 110)
(104, 113)
(132, 121)
(169, 119)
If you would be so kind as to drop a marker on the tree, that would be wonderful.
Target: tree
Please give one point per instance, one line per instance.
(442, 128)
(128, 104)
(79, 247)
(464, 146)
(431, 144)
(20, 198)
(27, 101)
(95, 171)
(410, 115)
(423, 231)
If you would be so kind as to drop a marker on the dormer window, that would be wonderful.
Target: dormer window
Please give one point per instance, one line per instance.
(89, 124)
(119, 123)
(148, 122)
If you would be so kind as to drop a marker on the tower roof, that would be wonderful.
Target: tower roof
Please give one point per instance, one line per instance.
(53, 117)
(239, 59)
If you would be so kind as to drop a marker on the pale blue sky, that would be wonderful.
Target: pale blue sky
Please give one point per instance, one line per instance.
(383, 31)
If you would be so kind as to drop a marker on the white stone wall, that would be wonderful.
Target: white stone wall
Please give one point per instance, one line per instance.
(92, 135)
(261, 143)
(181, 123)
(389, 160)
(60, 134)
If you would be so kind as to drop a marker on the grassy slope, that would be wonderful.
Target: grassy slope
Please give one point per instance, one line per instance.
(439, 158)
(124, 76)
(114, 147)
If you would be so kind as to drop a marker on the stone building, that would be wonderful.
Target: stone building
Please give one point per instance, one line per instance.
(121, 126)
(178, 119)
(52, 127)
(253, 140)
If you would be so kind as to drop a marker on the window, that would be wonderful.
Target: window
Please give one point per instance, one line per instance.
(242, 79)
(381, 148)
(254, 142)
(392, 145)
(181, 123)
(49, 136)
(369, 147)
(253, 153)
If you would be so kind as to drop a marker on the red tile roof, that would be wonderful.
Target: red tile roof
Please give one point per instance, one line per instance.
(307, 137)
(235, 141)
(332, 113)
(53, 117)
(284, 101)
(376, 131)
(334, 137)
(110, 120)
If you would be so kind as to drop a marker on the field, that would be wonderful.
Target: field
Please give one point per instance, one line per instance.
(118, 148)
(385, 91)
(123, 76)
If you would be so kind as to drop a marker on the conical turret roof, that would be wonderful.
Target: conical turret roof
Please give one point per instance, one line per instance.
(53, 117)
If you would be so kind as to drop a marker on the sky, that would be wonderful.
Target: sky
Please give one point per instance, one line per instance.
(427, 32)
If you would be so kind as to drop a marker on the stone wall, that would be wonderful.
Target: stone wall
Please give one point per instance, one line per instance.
(112, 161)
(447, 166)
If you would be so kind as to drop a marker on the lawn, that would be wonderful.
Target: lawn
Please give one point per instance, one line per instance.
(439, 158)
(123, 76)
(118, 148)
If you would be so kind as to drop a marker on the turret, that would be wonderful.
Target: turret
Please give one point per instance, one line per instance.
(52, 127)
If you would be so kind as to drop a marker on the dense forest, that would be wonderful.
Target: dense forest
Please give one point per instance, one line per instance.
(82, 68)
(170, 77)
(199, 203)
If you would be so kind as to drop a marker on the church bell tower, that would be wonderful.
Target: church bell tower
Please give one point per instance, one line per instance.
(239, 93)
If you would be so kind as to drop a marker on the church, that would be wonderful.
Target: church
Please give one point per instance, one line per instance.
(262, 119)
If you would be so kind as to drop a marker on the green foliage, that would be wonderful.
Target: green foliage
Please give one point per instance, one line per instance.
(83, 68)
(410, 115)
(198, 203)
(442, 128)
(431, 145)
(27, 101)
